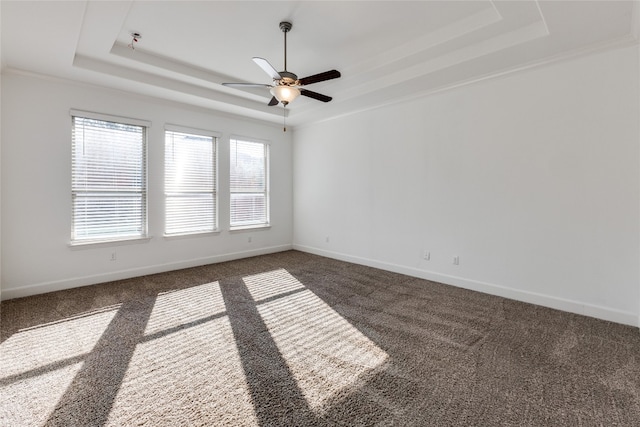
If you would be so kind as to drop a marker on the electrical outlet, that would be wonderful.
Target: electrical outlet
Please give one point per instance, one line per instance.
(326, 239)
(249, 239)
(426, 255)
(113, 256)
(456, 260)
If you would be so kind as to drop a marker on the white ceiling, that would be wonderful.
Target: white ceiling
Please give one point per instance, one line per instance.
(385, 50)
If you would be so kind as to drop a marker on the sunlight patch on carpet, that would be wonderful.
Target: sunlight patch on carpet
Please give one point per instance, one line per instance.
(268, 285)
(37, 364)
(325, 353)
(30, 402)
(177, 308)
(207, 384)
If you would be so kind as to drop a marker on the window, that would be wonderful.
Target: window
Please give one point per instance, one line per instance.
(190, 183)
(109, 189)
(249, 183)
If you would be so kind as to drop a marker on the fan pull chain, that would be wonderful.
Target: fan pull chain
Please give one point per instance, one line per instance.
(284, 119)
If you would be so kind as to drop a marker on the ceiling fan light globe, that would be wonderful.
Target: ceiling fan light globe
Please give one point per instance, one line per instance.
(285, 94)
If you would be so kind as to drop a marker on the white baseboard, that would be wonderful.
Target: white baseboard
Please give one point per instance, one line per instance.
(604, 313)
(58, 285)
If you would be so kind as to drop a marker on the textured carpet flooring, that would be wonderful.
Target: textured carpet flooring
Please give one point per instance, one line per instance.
(293, 339)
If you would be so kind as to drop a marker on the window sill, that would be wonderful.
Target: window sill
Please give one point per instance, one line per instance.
(249, 227)
(108, 243)
(190, 235)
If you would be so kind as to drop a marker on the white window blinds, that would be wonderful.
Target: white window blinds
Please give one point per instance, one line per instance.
(249, 183)
(108, 180)
(190, 183)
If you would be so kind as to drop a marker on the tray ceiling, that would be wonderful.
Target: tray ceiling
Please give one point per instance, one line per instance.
(387, 51)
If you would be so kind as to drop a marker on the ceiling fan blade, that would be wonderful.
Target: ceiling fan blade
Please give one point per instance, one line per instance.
(268, 68)
(245, 85)
(327, 75)
(274, 101)
(315, 95)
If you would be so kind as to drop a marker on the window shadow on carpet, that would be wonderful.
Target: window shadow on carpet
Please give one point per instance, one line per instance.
(296, 339)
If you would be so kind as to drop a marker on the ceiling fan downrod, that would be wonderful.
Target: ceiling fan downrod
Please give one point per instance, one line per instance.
(285, 27)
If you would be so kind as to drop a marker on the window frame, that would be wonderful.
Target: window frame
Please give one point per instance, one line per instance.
(216, 136)
(144, 192)
(267, 184)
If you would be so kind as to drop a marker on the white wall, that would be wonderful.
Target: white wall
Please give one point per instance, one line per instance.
(36, 194)
(1, 281)
(635, 25)
(1, 70)
(531, 179)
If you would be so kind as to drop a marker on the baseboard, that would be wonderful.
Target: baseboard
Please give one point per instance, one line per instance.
(604, 313)
(75, 282)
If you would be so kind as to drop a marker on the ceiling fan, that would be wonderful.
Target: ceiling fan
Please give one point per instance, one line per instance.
(286, 86)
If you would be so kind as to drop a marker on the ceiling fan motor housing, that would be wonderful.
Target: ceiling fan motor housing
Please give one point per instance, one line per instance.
(288, 78)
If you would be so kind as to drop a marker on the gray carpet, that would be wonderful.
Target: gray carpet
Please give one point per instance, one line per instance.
(293, 339)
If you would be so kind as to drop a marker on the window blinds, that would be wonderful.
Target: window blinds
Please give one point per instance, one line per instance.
(249, 183)
(108, 180)
(190, 183)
